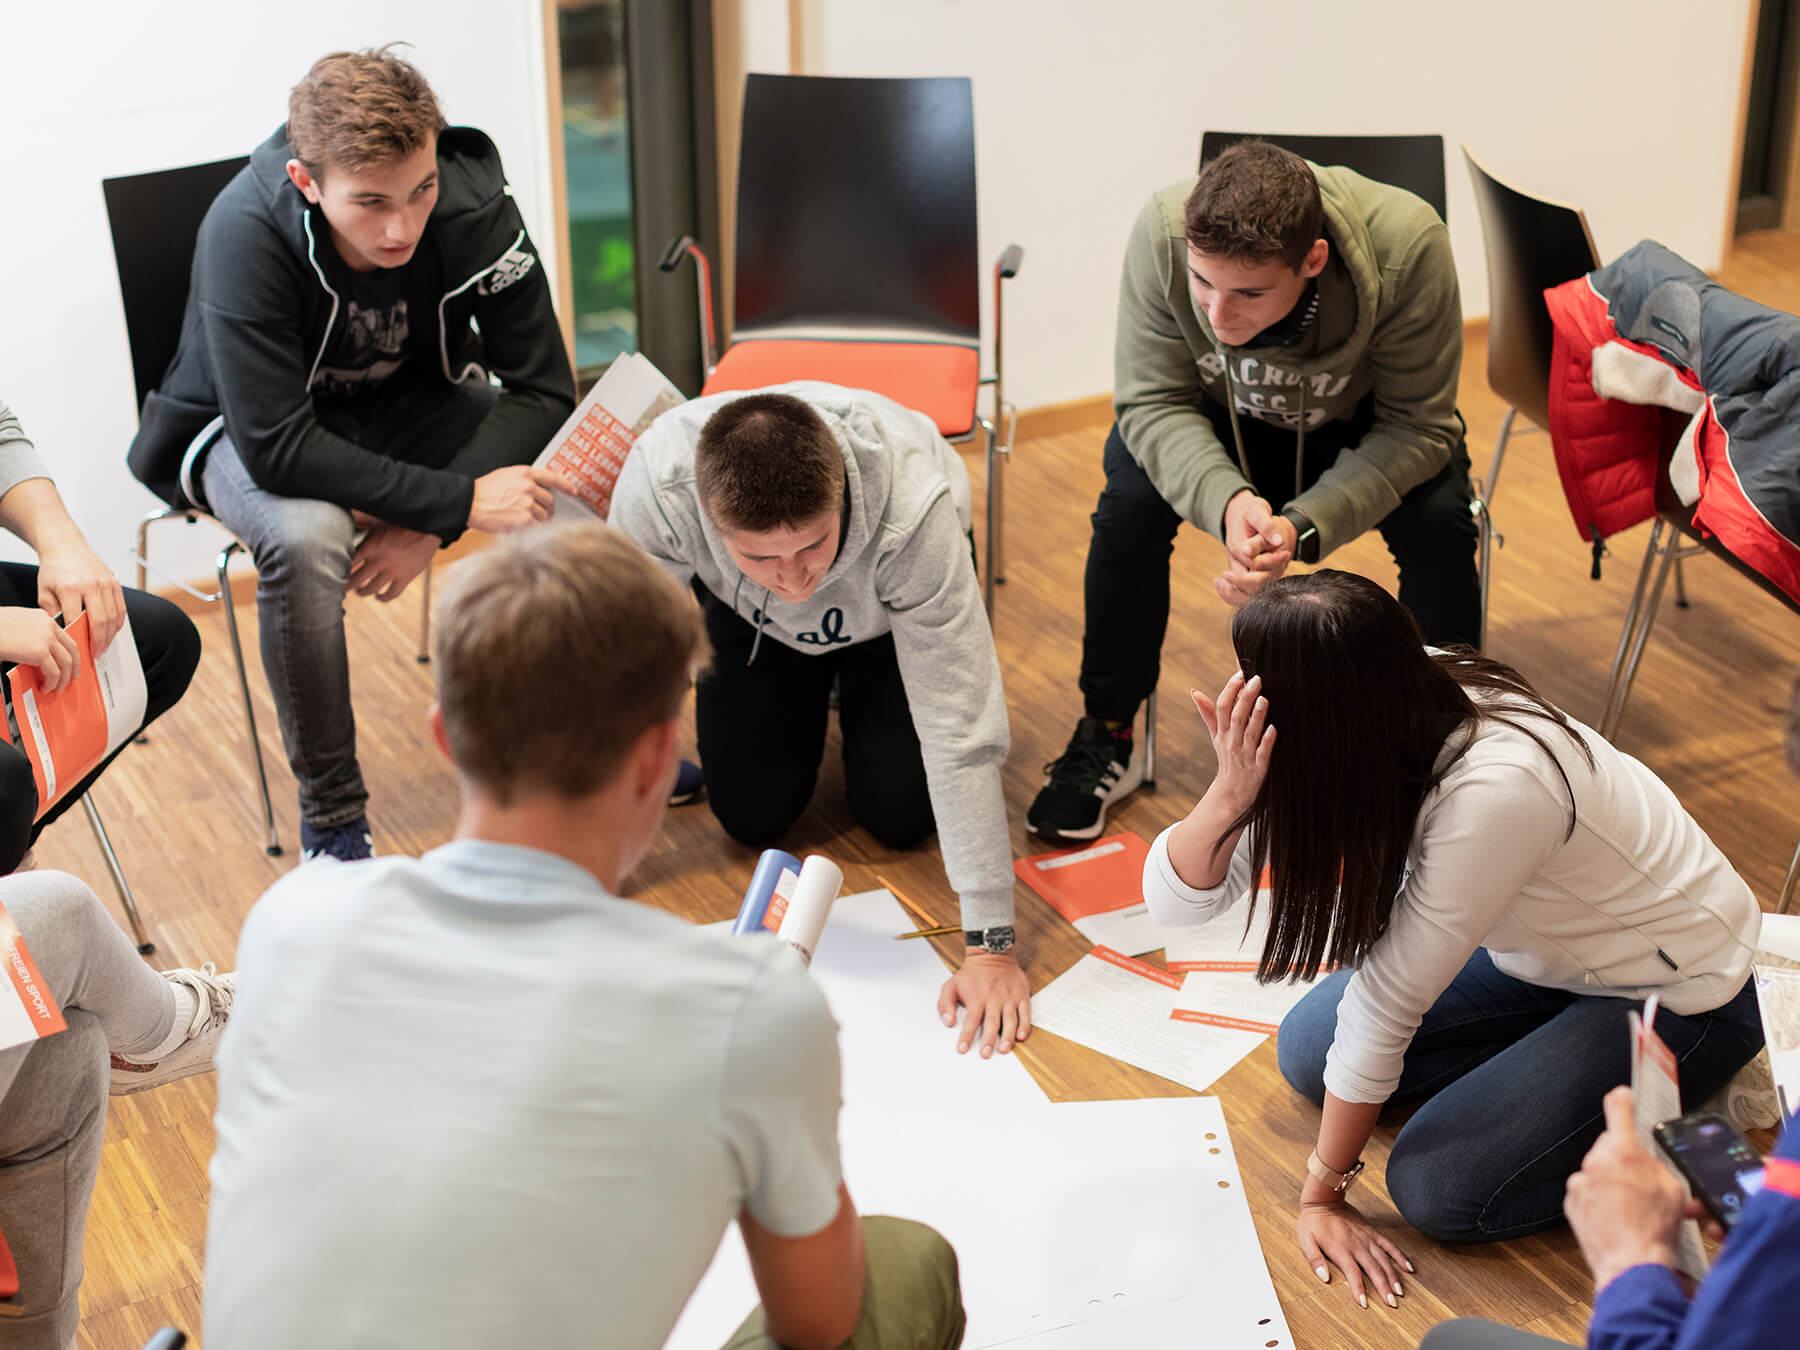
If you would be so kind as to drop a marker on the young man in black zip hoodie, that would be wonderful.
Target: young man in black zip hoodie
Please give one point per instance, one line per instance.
(369, 362)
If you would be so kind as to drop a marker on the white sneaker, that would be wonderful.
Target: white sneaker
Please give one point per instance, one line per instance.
(214, 994)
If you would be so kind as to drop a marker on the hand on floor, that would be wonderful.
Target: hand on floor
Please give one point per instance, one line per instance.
(996, 1001)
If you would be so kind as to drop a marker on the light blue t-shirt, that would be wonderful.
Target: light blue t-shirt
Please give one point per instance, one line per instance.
(472, 1100)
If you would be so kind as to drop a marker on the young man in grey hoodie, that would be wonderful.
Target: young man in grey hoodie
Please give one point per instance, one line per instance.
(825, 532)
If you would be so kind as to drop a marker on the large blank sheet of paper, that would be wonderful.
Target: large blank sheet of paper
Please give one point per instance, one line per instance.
(1125, 1009)
(1077, 1225)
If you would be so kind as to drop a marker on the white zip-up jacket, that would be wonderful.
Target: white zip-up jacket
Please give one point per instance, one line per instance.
(1636, 900)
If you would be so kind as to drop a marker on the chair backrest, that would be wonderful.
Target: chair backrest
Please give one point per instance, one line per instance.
(1415, 163)
(1531, 245)
(856, 207)
(154, 219)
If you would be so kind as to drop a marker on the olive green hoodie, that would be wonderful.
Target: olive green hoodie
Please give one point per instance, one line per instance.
(1389, 321)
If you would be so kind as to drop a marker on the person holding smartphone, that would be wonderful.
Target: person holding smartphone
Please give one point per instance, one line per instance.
(1494, 885)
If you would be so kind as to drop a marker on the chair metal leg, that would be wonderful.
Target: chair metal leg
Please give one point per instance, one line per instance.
(144, 945)
(425, 618)
(1493, 473)
(997, 495)
(1487, 538)
(1639, 619)
(1150, 740)
(1791, 884)
(273, 847)
(1681, 599)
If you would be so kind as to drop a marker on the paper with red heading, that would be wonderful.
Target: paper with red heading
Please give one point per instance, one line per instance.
(27, 1012)
(1233, 998)
(590, 448)
(66, 734)
(1656, 1097)
(1099, 888)
(1125, 1008)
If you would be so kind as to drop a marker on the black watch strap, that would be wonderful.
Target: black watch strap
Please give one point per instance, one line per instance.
(996, 940)
(1306, 545)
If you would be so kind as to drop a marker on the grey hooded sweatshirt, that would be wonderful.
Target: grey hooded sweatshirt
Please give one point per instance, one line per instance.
(903, 567)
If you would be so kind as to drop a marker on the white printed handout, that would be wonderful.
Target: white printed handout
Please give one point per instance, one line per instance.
(1778, 999)
(590, 448)
(1656, 1097)
(68, 733)
(1233, 998)
(1125, 1009)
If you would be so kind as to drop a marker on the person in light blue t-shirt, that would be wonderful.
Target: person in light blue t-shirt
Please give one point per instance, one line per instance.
(476, 1099)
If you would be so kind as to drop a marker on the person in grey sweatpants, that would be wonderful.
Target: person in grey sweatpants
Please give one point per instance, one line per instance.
(128, 1024)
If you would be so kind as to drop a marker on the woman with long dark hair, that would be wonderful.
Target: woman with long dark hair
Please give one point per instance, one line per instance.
(1495, 888)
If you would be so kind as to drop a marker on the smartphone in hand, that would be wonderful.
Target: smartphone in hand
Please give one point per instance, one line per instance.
(1718, 1163)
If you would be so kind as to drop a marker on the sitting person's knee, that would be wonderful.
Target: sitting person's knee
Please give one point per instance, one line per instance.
(18, 807)
(310, 542)
(1301, 1059)
(1428, 1190)
(912, 1265)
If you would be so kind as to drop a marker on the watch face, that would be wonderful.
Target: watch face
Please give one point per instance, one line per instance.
(997, 939)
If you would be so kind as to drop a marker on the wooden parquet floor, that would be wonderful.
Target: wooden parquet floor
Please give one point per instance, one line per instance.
(1706, 714)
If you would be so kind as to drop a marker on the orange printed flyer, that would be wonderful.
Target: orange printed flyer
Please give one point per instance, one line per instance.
(66, 734)
(1098, 887)
(590, 448)
(27, 1012)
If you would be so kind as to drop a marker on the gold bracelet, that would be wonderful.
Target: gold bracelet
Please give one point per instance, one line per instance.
(1319, 1170)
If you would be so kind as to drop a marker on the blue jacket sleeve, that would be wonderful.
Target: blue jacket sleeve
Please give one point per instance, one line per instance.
(1749, 1301)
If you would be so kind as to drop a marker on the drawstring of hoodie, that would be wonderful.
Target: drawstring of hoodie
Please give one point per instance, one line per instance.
(1237, 431)
(761, 617)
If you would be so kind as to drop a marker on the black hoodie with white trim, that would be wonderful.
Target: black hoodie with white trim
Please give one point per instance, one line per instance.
(261, 312)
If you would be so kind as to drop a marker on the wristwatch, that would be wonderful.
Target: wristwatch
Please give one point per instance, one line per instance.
(1317, 1169)
(1306, 546)
(992, 940)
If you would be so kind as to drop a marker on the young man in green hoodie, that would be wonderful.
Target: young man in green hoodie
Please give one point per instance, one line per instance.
(1285, 376)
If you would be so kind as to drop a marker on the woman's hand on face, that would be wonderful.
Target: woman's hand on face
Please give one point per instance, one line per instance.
(1238, 722)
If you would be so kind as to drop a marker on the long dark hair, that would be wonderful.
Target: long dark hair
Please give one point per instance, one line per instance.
(1362, 713)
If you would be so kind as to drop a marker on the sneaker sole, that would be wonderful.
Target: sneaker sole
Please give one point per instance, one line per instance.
(1088, 832)
(127, 1087)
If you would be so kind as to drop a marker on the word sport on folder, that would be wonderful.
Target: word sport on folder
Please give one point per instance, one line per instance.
(1099, 888)
(68, 733)
(27, 1012)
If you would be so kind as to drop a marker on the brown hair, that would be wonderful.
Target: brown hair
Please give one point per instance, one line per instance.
(1363, 713)
(1254, 202)
(766, 461)
(356, 110)
(555, 651)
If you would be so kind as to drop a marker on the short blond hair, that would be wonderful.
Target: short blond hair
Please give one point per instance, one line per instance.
(361, 110)
(555, 651)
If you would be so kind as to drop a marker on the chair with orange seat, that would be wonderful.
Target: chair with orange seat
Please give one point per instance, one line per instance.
(857, 257)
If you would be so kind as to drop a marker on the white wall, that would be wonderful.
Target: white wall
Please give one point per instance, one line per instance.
(1627, 107)
(108, 87)
(1081, 110)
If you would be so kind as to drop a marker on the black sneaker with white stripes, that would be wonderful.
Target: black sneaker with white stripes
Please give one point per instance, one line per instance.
(1100, 767)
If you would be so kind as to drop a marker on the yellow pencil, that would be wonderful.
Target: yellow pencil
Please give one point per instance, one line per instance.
(925, 920)
(945, 931)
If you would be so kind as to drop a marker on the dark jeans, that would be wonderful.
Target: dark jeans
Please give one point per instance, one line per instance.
(1431, 535)
(1511, 1075)
(169, 648)
(762, 733)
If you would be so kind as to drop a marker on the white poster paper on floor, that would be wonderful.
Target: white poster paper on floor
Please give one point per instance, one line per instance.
(1125, 1008)
(1100, 1224)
